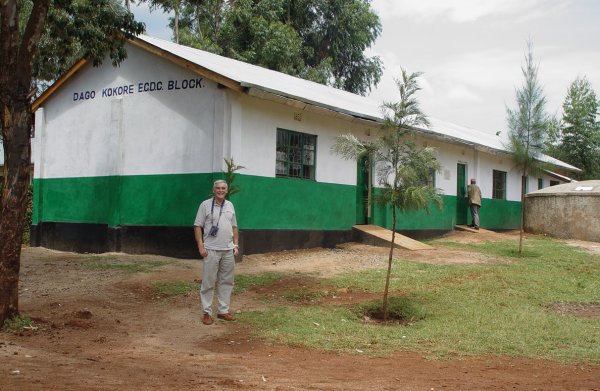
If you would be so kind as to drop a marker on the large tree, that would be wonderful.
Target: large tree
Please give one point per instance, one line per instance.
(528, 127)
(403, 168)
(37, 40)
(319, 40)
(579, 140)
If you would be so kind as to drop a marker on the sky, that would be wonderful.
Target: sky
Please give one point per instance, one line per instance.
(471, 52)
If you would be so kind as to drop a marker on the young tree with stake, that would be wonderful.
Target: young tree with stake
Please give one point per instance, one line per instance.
(402, 168)
(528, 127)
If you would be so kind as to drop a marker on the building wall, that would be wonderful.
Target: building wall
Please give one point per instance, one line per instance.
(135, 158)
(494, 213)
(270, 202)
(567, 216)
(150, 157)
(140, 146)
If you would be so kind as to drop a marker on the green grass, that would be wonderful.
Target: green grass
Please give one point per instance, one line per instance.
(17, 323)
(113, 263)
(302, 295)
(497, 309)
(243, 282)
(173, 288)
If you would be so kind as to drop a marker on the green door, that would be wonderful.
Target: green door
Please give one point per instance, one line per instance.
(362, 192)
(461, 192)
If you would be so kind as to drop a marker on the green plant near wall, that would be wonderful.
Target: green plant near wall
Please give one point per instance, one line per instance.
(528, 128)
(230, 176)
(403, 168)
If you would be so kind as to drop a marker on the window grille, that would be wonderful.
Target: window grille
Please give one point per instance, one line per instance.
(499, 185)
(296, 154)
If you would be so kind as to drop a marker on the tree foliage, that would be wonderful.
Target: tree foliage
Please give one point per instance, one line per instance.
(403, 168)
(80, 29)
(528, 126)
(319, 40)
(577, 141)
(38, 40)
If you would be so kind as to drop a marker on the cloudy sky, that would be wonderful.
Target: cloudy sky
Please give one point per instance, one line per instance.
(471, 52)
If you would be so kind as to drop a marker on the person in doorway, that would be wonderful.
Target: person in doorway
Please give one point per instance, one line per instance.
(216, 233)
(474, 195)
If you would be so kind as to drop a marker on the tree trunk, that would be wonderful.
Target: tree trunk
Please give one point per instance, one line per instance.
(522, 212)
(16, 123)
(389, 269)
(17, 53)
(176, 24)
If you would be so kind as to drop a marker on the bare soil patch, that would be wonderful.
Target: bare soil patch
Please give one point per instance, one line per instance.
(107, 330)
(582, 310)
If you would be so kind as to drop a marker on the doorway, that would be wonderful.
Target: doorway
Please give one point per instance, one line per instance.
(461, 194)
(363, 179)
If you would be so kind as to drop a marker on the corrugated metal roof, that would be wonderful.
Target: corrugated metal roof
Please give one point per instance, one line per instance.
(277, 83)
(252, 76)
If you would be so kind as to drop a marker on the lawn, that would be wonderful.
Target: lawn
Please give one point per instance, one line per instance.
(501, 308)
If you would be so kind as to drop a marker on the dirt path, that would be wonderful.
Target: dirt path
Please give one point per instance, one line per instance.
(107, 330)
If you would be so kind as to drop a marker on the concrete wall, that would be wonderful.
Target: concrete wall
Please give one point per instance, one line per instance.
(109, 121)
(564, 216)
(259, 120)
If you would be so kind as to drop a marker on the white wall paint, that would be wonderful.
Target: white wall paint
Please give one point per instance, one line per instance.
(261, 118)
(163, 132)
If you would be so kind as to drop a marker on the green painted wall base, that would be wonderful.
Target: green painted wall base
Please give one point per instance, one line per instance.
(494, 214)
(173, 200)
(263, 203)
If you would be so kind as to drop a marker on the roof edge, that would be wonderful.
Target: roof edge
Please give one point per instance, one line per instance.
(253, 86)
(304, 104)
(140, 43)
(200, 70)
(57, 84)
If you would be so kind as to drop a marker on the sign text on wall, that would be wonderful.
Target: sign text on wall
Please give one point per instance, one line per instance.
(141, 87)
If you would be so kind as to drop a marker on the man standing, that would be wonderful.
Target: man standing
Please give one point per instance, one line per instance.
(218, 246)
(474, 194)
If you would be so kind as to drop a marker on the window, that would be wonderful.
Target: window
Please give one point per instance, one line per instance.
(431, 179)
(499, 185)
(428, 180)
(296, 153)
(554, 183)
(540, 183)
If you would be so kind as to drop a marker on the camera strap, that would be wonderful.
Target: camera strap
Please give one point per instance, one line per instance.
(212, 209)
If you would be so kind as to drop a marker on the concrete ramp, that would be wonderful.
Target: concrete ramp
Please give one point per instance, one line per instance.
(469, 229)
(378, 236)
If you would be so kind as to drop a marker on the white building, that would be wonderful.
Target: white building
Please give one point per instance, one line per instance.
(124, 155)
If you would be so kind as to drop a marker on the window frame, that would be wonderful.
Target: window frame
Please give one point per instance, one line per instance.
(292, 162)
(495, 181)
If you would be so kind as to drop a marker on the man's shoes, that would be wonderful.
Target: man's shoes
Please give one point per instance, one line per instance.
(477, 228)
(228, 317)
(207, 319)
